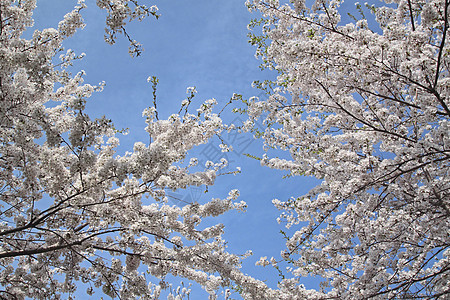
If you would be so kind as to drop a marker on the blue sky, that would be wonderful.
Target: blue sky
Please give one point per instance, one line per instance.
(198, 43)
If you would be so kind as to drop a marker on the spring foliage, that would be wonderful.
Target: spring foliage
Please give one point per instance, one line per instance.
(363, 106)
(71, 209)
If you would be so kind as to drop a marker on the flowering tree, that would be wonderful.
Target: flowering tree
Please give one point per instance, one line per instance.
(73, 211)
(365, 108)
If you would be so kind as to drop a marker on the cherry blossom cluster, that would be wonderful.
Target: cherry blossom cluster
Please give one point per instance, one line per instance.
(364, 108)
(119, 13)
(73, 213)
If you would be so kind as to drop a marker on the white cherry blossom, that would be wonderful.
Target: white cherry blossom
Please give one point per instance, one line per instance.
(74, 214)
(363, 106)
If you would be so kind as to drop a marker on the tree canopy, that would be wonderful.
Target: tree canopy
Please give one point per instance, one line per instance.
(365, 108)
(71, 209)
(360, 102)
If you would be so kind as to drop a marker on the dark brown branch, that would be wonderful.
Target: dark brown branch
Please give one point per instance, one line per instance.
(411, 15)
(56, 247)
(438, 64)
(361, 120)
